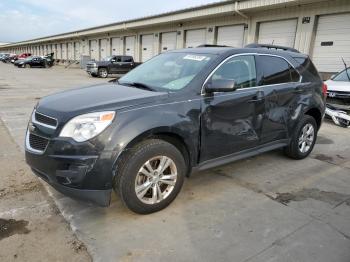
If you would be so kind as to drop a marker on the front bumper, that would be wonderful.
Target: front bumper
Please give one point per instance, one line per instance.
(77, 170)
(99, 197)
(91, 70)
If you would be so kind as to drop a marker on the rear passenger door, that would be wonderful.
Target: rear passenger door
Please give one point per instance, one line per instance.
(280, 83)
(127, 64)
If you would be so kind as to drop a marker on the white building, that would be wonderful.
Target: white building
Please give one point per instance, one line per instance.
(320, 28)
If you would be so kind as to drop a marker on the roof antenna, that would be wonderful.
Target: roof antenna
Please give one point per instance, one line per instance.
(346, 68)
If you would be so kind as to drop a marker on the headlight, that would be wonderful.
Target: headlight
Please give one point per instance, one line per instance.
(85, 127)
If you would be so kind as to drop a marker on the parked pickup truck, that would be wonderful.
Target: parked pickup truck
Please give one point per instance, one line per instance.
(116, 64)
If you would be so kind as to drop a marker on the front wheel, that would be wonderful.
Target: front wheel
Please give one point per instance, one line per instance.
(303, 139)
(27, 66)
(150, 176)
(102, 72)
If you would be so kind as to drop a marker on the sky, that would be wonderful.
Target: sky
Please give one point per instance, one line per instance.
(27, 19)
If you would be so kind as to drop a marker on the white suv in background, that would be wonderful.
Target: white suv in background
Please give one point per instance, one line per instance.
(339, 89)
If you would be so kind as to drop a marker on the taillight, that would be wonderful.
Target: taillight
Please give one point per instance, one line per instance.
(324, 90)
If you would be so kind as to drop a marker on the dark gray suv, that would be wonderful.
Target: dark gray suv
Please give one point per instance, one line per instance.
(182, 111)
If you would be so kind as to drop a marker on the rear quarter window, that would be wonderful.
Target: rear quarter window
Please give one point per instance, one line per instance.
(307, 69)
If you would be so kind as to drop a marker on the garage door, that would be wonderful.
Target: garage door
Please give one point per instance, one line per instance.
(168, 41)
(64, 51)
(70, 51)
(117, 46)
(77, 52)
(104, 50)
(332, 42)
(230, 35)
(94, 49)
(130, 45)
(278, 32)
(59, 51)
(146, 47)
(195, 38)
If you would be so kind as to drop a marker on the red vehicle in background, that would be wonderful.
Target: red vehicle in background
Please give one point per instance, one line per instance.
(21, 56)
(24, 55)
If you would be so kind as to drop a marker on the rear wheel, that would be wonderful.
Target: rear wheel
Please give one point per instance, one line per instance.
(102, 72)
(150, 176)
(303, 138)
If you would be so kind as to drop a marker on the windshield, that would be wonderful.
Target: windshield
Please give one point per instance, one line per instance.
(168, 71)
(107, 58)
(342, 76)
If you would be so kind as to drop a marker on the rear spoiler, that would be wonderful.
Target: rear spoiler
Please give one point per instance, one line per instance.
(276, 47)
(209, 45)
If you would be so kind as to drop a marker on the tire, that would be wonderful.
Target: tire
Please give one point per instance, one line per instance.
(128, 176)
(102, 72)
(27, 66)
(301, 143)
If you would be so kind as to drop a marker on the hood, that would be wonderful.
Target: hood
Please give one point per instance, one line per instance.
(340, 86)
(98, 63)
(68, 104)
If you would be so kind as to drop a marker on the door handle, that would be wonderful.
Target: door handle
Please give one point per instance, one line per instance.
(255, 100)
(258, 97)
(298, 90)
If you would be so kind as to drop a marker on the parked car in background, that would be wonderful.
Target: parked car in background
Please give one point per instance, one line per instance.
(3, 55)
(21, 56)
(180, 112)
(339, 90)
(34, 61)
(8, 57)
(116, 64)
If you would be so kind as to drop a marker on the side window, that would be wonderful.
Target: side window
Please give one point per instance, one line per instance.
(241, 69)
(277, 71)
(127, 59)
(295, 77)
(118, 59)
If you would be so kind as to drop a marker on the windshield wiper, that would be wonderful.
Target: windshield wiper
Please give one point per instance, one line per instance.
(138, 85)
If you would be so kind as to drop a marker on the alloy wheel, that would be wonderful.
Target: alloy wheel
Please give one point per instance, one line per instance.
(103, 73)
(306, 138)
(156, 180)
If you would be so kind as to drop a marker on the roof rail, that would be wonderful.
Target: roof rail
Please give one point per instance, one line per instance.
(277, 47)
(208, 45)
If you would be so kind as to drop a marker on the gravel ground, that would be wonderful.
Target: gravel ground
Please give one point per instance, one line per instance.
(31, 227)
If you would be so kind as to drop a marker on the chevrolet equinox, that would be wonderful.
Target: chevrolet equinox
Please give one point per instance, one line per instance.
(181, 112)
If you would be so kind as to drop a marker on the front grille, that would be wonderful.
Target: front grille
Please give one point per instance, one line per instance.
(45, 119)
(38, 142)
(90, 66)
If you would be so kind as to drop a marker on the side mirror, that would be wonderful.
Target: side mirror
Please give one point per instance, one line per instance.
(220, 85)
(332, 76)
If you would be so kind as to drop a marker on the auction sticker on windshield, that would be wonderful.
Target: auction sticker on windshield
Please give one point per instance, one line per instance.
(195, 57)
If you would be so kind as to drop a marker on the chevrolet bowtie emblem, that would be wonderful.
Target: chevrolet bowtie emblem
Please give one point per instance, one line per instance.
(31, 127)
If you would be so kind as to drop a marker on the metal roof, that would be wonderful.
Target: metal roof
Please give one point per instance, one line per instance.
(213, 8)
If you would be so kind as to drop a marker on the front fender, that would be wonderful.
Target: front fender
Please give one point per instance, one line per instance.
(178, 118)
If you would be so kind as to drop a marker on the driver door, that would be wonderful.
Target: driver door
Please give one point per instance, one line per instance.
(115, 65)
(231, 121)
